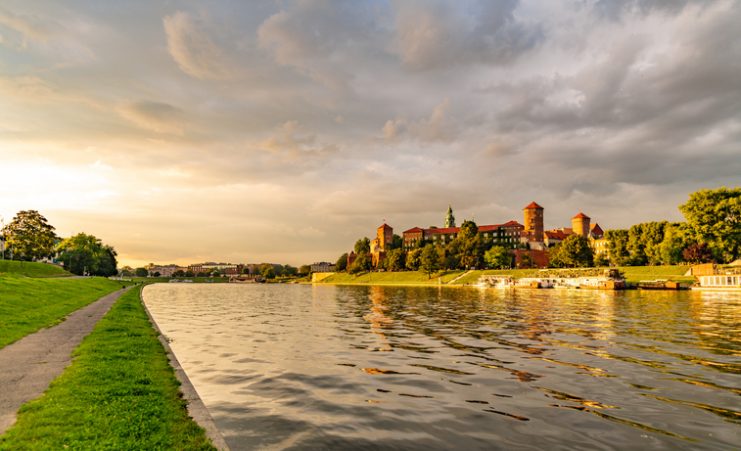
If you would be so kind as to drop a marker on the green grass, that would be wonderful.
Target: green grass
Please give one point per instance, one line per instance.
(27, 305)
(31, 269)
(392, 278)
(633, 274)
(119, 393)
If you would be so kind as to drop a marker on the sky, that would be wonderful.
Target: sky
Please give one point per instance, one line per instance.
(282, 131)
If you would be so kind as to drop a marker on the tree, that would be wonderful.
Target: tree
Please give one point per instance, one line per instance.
(697, 253)
(498, 257)
(362, 246)
(29, 236)
(178, 273)
(127, 271)
(471, 254)
(86, 254)
(413, 259)
(362, 263)
(141, 272)
(397, 242)
(617, 247)
(673, 244)
(429, 260)
(304, 270)
(394, 260)
(574, 251)
(156, 274)
(342, 262)
(644, 242)
(267, 270)
(290, 271)
(714, 217)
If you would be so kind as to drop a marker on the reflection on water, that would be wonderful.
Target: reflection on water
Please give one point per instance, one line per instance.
(433, 368)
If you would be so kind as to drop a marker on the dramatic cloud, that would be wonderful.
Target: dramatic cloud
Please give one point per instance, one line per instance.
(193, 49)
(284, 131)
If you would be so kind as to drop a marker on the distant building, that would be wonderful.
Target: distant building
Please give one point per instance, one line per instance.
(164, 270)
(507, 234)
(323, 267)
(580, 224)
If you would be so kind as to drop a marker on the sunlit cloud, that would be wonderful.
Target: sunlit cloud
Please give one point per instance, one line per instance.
(283, 131)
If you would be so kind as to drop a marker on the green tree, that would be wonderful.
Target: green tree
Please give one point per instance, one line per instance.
(394, 260)
(617, 247)
(714, 217)
(86, 254)
(429, 260)
(397, 242)
(342, 262)
(574, 251)
(673, 244)
(290, 271)
(362, 263)
(267, 270)
(471, 252)
(304, 270)
(362, 246)
(413, 259)
(29, 236)
(141, 272)
(498, 257)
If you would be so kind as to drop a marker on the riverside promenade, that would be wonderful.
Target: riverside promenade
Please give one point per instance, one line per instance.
(31, 363)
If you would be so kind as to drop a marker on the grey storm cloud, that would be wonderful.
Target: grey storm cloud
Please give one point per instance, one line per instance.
(321, 118)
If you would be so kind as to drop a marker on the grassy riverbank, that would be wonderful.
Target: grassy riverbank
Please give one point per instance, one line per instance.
(633, 274)
(31, 269)
(29, 304)
(119, 393)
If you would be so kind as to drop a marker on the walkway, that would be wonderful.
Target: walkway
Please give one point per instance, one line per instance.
(460, 276)
(28, 366)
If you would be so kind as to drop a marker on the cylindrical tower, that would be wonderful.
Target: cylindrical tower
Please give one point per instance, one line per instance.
(533, 216)
(580, 224)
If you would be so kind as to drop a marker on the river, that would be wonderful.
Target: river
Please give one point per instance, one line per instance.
(354, 367)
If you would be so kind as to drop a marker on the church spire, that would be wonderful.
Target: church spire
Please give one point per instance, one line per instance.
(449, 218)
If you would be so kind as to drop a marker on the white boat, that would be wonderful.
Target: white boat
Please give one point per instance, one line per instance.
(719, 282)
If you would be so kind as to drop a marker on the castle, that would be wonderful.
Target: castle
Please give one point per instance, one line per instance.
(529, 242)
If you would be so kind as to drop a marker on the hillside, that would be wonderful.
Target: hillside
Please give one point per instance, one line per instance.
(31, 269)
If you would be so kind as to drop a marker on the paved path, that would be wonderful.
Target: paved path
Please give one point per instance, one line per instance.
(456, 279)
(28, 366)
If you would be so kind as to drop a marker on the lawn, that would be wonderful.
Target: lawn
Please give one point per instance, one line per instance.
(633, 274)
(392, 278)
(119, 393)
(28, 304)
(31, 269)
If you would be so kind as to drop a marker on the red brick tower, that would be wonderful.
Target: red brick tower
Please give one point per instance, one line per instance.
(533, 214)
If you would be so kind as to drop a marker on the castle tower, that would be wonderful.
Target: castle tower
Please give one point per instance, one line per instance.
(449, 218)
(385, 237)
(580, 224)
(533, 216)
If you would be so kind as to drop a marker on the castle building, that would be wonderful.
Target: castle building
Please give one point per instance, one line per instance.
(533, 215)
(382, 242)
(449, 218)
(507, 234)
(580, 224)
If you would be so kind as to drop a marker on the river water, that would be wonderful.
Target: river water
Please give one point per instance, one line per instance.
(317, 367)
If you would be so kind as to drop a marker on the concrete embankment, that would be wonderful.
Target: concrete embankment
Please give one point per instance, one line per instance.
(196, 408)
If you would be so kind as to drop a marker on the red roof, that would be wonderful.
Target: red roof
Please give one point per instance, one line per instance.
(513, 223)
(533, 206)
(581, 216)
(555, 234)
(414, 230)
(386, 226)
(443, 230)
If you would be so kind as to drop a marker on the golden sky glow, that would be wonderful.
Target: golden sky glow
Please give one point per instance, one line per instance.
(283, 131)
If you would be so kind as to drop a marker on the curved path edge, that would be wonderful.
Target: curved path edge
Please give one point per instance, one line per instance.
(29, 365)
(196, 408)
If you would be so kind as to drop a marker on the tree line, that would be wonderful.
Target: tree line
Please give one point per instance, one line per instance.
(30, 237)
